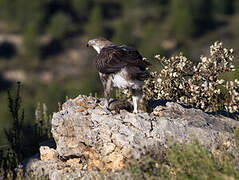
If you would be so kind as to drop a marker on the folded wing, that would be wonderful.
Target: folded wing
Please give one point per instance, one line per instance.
(113, 58)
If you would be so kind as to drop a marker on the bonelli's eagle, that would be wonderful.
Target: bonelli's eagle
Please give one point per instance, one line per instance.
(120, 66)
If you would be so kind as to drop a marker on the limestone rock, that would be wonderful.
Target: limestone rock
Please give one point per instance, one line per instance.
(90, 138)
(47, 153)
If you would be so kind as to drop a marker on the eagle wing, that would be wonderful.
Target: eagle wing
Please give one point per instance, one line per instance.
(113, 58)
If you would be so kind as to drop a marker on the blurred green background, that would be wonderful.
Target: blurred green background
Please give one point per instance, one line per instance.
(43, 42)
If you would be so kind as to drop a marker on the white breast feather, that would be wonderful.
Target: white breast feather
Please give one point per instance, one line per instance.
(119, 80)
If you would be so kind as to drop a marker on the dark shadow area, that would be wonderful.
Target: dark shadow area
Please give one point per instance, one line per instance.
(217, 24)
(33, 138)
(51, 49)
(111, 10)
(109, 32)
(4, 84)
(206, 27)
(36, 155)
(234, 116)
(54, 7)
(71, 35)
(159, 102)
(7, 50)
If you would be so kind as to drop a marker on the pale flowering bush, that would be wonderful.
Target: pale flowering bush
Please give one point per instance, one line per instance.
(232, 103)
(197, 85)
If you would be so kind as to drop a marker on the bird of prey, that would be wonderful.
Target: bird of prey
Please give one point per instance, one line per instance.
(120, 66)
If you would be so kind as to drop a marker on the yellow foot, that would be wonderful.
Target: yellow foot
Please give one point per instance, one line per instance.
(101, 106)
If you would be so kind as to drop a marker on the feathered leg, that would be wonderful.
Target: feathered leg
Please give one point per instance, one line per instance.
(107, 91)
(136, 97)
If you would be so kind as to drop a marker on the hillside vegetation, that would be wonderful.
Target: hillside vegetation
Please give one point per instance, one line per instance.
(42, 44)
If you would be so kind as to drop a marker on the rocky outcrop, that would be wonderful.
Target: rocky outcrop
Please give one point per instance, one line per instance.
(89, 138)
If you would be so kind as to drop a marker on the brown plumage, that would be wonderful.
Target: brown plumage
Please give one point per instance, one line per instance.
(113, 58)
(120, 66)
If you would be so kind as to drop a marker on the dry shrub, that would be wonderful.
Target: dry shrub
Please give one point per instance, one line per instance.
(197, 85)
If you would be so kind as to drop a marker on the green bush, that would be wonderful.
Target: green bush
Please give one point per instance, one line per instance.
(60, 25)
(189, 161)
(23, 141)
(190, 18)
(224, 6)
(123, 33)
(182, 22)
(14, 134)
(31, 43)
(22, 12)
(150, 33)
(81, 7)
(95, 27)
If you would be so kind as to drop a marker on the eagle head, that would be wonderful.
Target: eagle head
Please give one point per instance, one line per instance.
(99, 43)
